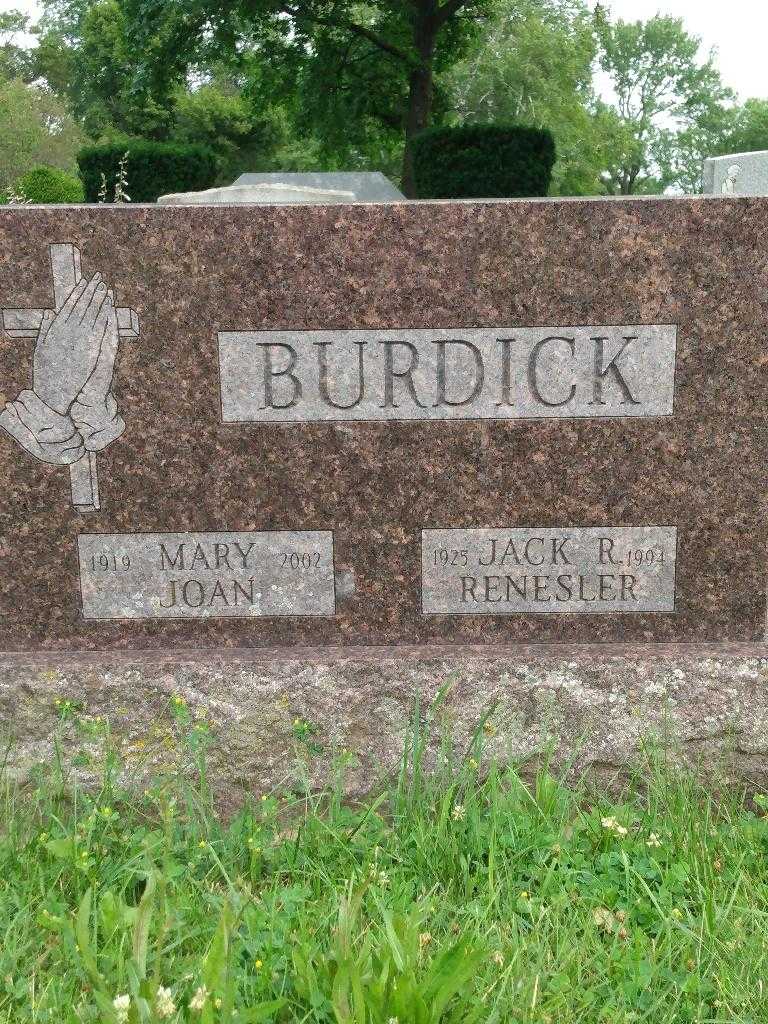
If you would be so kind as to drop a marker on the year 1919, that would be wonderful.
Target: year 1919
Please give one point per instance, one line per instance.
(110, 563)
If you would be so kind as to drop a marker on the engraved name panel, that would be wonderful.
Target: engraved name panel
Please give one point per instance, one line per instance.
(206, 575)
(477, 373)
(582, 570)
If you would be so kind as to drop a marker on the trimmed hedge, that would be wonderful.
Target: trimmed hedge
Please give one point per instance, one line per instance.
(50, 185)
(483, 161)
(152, 168)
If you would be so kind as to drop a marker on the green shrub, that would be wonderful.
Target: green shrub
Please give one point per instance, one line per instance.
(50, 185)
(152, 168)
(483, 161)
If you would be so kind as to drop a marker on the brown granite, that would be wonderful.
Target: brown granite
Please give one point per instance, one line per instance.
(189, 272)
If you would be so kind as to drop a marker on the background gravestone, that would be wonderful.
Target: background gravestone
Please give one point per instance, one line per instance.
(366, 186)
(743, 174)
(276, 187)
(337, 454)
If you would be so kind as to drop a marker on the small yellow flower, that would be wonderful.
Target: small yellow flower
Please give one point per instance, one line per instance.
(677, 914)
(525, 895)
(258, 964)
(202, 844)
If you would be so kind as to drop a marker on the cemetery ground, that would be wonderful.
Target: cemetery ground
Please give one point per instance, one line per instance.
(461, 891)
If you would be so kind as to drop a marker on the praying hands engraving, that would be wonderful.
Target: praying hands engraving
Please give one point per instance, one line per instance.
(70, 413)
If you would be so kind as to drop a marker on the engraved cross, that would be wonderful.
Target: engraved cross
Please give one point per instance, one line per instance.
(25, 323)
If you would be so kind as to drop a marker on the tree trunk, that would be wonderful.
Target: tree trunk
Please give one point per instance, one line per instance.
(419, 100)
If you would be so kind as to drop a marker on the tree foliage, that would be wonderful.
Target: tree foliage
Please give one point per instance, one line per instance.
(356, 67)
(16, 61)
(533, 65)
(35, 128)
(748, 129)
(669, 104)
(336, 84)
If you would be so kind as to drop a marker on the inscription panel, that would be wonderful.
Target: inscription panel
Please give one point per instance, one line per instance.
(582, 570)
(206, 575)
(476, 373)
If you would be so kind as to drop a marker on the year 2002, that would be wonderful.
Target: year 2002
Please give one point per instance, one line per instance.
(300, 559)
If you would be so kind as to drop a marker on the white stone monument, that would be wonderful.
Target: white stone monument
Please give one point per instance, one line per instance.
(270, 194)
(737, 174)
(282, 188)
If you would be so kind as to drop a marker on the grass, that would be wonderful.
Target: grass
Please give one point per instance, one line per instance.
(459, 895)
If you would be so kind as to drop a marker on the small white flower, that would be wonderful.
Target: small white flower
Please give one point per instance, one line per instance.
(613, 826)
(604, 918)
(122, 1004)
(164, 1004)
(197, 1002)
(459, 812)
(653, 840)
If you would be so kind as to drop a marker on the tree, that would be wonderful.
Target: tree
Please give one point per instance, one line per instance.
(748, 130)
(397, 44)
(90, 54)
(35, 129)
(221, 116)
(667, 101)
(533, 65)
(15, 61)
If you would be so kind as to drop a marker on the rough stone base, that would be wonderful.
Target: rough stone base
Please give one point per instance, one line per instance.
(278, 716)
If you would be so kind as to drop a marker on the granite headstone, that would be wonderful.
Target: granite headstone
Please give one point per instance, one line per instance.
(366, 186)
(737, 174)
(278, 188)
(467, 423)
